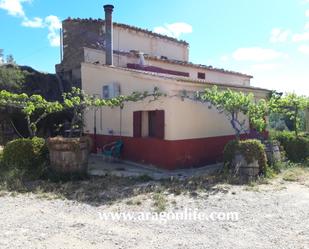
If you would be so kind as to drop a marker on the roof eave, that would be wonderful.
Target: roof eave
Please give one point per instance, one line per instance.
(182, 79)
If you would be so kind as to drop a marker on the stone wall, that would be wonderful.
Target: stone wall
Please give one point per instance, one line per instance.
(76, 36)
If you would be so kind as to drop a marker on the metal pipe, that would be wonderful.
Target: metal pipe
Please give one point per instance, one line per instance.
(108, 34)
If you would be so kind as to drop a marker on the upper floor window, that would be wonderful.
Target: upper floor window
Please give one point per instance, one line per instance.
(201, 75)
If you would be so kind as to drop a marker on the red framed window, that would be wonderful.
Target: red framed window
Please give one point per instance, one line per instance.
(149, 124)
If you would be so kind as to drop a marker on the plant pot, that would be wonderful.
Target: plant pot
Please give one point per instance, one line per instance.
(244, 170)
(69, 155)
(272, 150)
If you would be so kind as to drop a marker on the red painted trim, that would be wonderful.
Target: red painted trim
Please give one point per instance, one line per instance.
(170, 154)
(160, 123)
(137, 124)
(157, 69)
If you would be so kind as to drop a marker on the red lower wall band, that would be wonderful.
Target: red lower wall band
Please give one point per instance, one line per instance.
(169, 154)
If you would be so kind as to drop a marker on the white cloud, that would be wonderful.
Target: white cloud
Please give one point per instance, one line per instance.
(14, 7)
(301, 37)
(264, 66)
(287, 78)
(54, 24)
(256, 54)
(282, 35)
(36, 22)
(174, 29)
(304, 49)
(279, 35)
(224, 58)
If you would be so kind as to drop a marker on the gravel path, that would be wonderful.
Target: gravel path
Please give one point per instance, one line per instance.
(273, 216)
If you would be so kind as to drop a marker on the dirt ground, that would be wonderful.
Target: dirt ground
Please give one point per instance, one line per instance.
(272, 215)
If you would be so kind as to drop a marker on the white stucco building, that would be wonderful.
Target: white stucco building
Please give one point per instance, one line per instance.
(171, 132)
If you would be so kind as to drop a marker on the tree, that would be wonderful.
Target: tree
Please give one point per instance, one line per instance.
(12, 78)
(290, 105)
(233, 104)
(35, 107)
(10, 59)
(258, 111)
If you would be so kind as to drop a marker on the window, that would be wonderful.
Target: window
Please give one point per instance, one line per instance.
(201, 75)
(148, 124)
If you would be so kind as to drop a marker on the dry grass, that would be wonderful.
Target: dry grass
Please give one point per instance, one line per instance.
(159, 202)
(296, 174)
(109, 189)
(252, 187)
(134, 202)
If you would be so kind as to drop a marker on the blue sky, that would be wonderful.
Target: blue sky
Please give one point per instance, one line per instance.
(268, 39)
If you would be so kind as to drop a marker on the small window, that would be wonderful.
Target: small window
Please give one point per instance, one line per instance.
(148, 124)
(201, 75)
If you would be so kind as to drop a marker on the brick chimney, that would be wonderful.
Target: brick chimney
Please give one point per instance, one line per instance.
(108, 34)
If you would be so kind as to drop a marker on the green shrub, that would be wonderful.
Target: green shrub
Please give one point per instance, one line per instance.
(282, 136)
(1, 160)
(25, 157)
(251, 149)
(296, 148)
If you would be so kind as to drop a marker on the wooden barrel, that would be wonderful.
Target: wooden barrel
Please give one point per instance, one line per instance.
(69, 155)
(246, 171)
(272, 150)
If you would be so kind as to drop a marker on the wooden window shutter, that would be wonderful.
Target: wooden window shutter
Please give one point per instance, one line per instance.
(160, 124)
(137, 124)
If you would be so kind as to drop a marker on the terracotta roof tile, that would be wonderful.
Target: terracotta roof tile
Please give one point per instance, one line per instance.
(190, 64)
(183, 63)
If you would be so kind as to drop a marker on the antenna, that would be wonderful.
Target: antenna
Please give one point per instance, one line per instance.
(61, 44)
